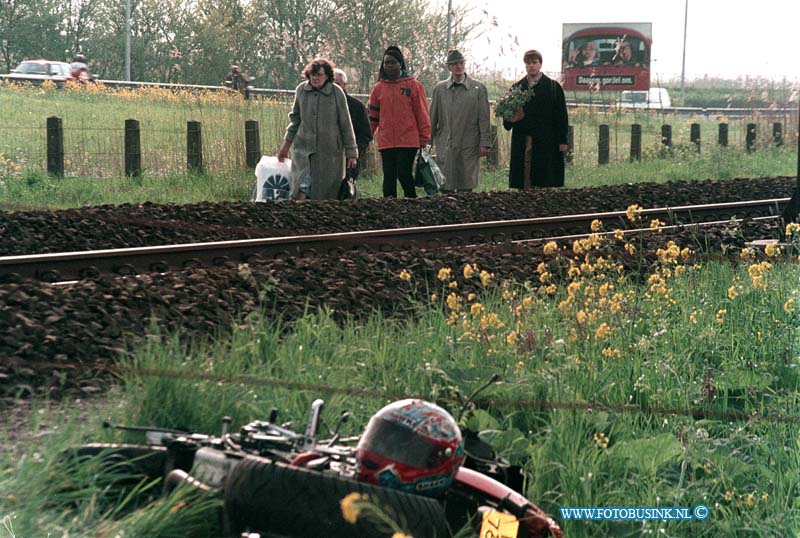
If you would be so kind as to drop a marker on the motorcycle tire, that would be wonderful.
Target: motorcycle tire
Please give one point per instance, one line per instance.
(275, 499)
(136, 460)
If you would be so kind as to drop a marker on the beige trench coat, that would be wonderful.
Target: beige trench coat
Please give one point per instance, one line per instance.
(460, 127)
(322, 137)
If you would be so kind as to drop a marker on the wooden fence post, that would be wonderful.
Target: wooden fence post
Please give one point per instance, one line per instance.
(750, 138)
(722, 137)
(603, 145)
(493, 158)
(695, 135)
(570, 155)
(133, 149)
(252, 144)
(636, 142)
(55, 146)
(777, 134)
(194, 147)
(666, 136)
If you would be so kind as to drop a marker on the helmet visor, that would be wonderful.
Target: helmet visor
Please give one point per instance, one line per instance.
(401, 444)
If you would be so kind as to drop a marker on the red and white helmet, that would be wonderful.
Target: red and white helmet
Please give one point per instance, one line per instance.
(411, 445)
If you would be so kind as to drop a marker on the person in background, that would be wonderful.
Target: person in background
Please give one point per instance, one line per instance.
(238, 81)
(538, 130)
(358, 117)
(460, 125)
(320, 128)
(398, 111)
(624, 54)
(79, 68)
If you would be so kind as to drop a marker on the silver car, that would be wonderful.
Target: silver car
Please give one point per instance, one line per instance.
(37, 71)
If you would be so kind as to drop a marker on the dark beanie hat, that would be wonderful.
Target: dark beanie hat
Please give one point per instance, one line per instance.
(397, 54)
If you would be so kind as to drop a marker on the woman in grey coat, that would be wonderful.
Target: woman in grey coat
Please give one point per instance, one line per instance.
(320, 129)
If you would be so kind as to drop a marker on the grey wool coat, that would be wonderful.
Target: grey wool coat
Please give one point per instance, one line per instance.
(459, 128)
(322, 138)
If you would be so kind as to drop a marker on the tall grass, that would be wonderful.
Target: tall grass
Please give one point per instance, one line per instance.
(94, 117)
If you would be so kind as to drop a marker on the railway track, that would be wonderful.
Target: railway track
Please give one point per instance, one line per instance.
(66, 266)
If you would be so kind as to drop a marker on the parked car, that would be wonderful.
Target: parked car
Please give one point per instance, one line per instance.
(652, 98)
(37, 71)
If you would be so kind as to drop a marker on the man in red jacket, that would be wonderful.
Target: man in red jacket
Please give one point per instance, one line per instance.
(398, 111)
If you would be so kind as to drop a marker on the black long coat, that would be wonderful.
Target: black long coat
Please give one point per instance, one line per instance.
(546, 122)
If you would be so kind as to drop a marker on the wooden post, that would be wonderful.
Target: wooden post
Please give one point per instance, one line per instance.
(636, 142)
(252, 144)
(695, 135)
(133, 149)
(666, 136)
(570, 155)
(750, 138)
(194, 147)
(55, 146)
(603, 145)
(723, 135)
(777, 134)
(493, 158)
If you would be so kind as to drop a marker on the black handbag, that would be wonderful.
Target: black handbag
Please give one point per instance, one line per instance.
(347, 190)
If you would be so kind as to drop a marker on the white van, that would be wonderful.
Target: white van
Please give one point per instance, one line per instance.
(652, 98)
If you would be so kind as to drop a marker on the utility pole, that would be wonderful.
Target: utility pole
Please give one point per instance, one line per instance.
(449, 22)
(128, 40)
(683, 64)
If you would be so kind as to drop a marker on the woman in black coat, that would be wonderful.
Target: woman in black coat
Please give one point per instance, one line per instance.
(538, 131)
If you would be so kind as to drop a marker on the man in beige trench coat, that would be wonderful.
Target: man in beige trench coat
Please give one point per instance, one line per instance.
(460, 125)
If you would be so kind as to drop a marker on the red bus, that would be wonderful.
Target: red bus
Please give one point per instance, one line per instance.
(606, 57)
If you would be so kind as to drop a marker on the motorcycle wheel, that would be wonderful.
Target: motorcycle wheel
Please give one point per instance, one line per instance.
(138, 460)
(280, 500)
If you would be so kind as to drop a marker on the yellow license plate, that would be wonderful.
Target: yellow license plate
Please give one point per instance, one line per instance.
(499, 525)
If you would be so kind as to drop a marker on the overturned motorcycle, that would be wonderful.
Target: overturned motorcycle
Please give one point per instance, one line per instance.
(413, 462)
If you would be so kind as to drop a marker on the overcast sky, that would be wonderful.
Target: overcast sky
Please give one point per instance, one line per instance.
(725, 38)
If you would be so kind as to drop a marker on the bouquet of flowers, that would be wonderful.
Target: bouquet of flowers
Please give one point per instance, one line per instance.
(516, 98)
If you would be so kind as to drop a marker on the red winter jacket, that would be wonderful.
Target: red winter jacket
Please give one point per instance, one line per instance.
(398, 110)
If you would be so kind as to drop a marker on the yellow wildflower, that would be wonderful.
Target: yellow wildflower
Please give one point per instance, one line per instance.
(471, 297)
(486, 278)
(596, 225)
(453, 302)
(351, 506)
(633, 212)
(747, 254)
(577, 247)
(401, 535)
(792, 228)
(468, 271)
(602, 331)
(772, 250)
(434, 297)
(732, 293)
(619, 234)
(630, 249)
(693, 317)
(729, 495)
(601, 440)
(405, 275)
(656, 224)
(507, 295)
(541, 268)
(527, 301)
(511, 339)
(550, 290)
(544, 277)
(453, 285)
(721, 315)
(750, 499)
(444, 274)
(550, 248)
(172, 510)
(581, 317)
(707, 468)
(476, 309)
(573, 272)
(764, 496)
(788, 306)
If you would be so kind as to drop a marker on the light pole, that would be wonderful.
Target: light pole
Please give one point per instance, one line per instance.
(449, 22)
(128, 40)
(683, 63)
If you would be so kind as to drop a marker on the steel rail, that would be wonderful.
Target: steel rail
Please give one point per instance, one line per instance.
(64, 266)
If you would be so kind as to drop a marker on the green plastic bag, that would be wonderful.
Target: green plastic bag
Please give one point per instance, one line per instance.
(428, 176)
